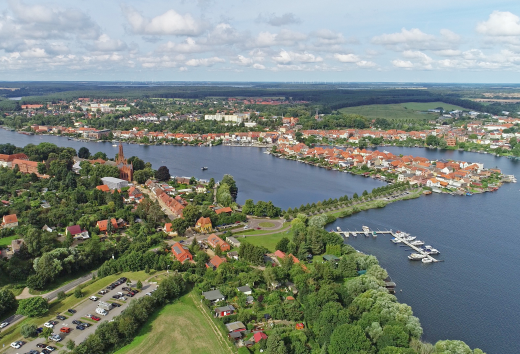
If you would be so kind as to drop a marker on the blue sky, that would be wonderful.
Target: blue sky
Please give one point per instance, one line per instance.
(246, 40)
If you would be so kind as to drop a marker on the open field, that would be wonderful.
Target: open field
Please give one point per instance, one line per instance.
(266, 224)
(180, 327)
(7, 240)
(408, 110)
(269, 241)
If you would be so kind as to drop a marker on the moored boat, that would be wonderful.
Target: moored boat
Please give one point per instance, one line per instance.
(416, 256)
(417, 243)
(426, 260)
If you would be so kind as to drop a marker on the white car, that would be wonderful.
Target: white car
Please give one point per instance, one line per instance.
(48, 325)
(17, 345)
(4, 324)
(55, 338)
(122, 298)
(149, 294)
(93, 298)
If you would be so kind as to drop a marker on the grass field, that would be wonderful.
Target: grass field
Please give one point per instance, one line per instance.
(178, 328)
(7, 240)
(408, 110)
(266, 224)
(269, 241)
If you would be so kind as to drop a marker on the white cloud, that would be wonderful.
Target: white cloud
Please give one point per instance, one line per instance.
(204, 61)
(366, 64)
(285, 37)
(500, 23)
(258, 66)
(189, 45)
(347, 58)
(285, 57)
(168, 23)
(405, 64)
(417, 39)
(287, 18)
(448, 53)
(106, 44)
(224, 33)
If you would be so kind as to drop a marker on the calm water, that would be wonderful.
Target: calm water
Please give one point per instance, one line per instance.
(471, 296)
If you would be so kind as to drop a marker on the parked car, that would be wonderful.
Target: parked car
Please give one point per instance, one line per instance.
(84, 324)
(4, 324)
(130, 294)
(81, 328)
(103, 292)
(17, 345)
(48, 325)
(122, 298)
(94, 298)
(116, 296)
(115, 304)
(41, 345)
(46, 351)
(33, 352)
(60, 317)
(95, 318)
(64, 329)
(126, 288)
(39, 329)
(55, 338)
(149, 294)
(54, 322)
(49, 348)
(71, 311)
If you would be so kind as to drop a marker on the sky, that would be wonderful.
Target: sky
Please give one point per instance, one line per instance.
(454, 41)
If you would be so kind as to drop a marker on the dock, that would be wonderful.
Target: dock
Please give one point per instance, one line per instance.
(418, 250)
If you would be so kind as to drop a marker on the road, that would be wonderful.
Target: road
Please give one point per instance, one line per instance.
(50, 296)
(85, 307)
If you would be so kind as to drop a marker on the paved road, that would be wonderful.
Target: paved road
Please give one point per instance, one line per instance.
(85, 307)
(51, 296)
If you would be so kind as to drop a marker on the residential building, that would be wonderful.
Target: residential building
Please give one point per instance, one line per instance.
(213, 296)
(181, 252)
(215, 262)
(9, 221)
(233, 241)
(245, 290)
(103, 188)
(224, 311)
(7, 160)
(76, 232)
(25, 166)
(226, 210)
(102, 224)
(233, 118)
(214, 241)
(203, 225)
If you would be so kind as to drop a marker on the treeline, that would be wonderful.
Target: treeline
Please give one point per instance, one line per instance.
(261, 209)
(112, 335)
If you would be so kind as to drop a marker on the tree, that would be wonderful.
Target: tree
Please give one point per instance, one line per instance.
(162, 174)
(100, 155)
(377, 272)
(249, 207)
(71, 344)
(211, 183)
(46, 333)
(275, 344)
(139, 285)
(29, 330)
(191, 214)
(78, 293)
(42, 168)
(137, 163)
(7, 301)
(193, 180)
(282, 244)
(348, 338)
(32, 307)
(83, 153)
(62, 296)
(142, 176)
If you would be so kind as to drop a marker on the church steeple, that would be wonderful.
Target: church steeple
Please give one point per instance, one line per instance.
(121, 155)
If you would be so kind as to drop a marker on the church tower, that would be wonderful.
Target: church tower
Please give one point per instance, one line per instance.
(126, 171)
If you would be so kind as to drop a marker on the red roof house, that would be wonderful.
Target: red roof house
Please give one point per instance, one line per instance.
(258, 336)
(102, 225)
(181, 252)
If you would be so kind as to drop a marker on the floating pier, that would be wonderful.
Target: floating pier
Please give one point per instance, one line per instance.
(398, 236)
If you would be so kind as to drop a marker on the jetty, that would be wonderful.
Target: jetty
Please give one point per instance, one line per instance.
(401, 237)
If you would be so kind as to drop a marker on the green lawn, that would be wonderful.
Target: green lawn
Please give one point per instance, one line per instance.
(266, 224)
(178, 328)
(408, 110)
(269, 241)
(7, 240)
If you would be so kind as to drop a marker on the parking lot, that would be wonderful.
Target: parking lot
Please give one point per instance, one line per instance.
(83, 309)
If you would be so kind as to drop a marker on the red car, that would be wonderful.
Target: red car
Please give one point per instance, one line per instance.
(95, 318)
(65, 330)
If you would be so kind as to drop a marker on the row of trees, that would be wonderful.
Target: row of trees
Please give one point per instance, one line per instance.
(261, 209)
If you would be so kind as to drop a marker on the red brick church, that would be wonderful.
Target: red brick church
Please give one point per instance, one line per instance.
(126, 171)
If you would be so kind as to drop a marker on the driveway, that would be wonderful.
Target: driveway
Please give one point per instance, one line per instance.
(84, 308)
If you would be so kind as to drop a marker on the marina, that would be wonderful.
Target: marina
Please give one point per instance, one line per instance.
(421, 254)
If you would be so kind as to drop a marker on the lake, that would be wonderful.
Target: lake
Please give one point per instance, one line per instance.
(470, 296)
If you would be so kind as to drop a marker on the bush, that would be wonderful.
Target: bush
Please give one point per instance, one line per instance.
(62, 296)
(78, 292)
(34, 306)
(29, 330)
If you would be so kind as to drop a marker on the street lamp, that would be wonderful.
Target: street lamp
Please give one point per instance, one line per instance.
(168, 269)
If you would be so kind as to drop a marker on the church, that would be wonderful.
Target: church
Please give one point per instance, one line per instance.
(126, 171)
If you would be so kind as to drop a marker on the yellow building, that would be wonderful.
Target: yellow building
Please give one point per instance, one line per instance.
(203, 225)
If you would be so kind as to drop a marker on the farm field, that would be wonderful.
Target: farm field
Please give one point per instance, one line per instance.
(178, 328)
(407, 110)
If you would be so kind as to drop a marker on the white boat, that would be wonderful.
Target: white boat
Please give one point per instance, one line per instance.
(396, 240)
(430, 250)
(416, 256)
(365, 228)
(427, 260)
(409, 238)
(114, 145)
(338, 228)
(354, 234)
(417, 243)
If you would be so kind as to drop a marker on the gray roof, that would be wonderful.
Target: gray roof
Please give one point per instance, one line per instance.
(233, 326)
(213, 295)
(112, 179)
(225, 308)
(244, 289)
